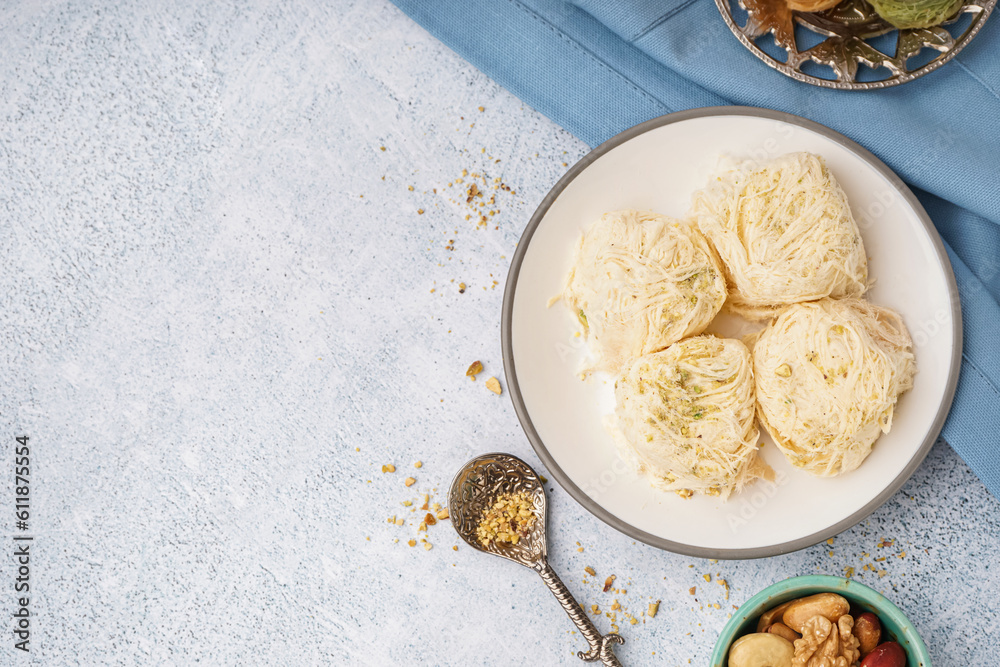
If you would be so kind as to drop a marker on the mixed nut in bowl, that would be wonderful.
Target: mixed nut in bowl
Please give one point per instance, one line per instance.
(819, 621)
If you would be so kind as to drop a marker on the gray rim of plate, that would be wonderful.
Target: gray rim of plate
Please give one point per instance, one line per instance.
(510, 371)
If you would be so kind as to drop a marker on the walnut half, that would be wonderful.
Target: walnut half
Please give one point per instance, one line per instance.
(827, 644)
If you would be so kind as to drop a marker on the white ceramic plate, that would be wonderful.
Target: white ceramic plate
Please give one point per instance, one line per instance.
(657, 166)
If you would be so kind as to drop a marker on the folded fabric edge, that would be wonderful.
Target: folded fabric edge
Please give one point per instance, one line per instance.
(968, 426)
(515, 32)
(973, 425)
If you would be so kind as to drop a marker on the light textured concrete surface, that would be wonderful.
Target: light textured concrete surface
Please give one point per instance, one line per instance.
(222, 311)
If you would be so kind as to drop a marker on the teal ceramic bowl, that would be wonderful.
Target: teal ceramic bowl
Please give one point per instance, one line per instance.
(895, 626)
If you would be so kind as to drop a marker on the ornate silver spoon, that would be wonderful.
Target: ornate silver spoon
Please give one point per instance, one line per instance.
(474, 489)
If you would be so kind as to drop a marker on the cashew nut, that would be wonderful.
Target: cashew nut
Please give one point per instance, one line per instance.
(783, 630)
(828, 605)
(761, 649)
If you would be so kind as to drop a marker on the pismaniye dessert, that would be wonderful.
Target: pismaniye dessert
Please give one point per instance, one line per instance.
(639, 282)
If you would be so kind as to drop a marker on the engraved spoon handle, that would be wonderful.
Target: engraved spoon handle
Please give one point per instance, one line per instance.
(601, 647)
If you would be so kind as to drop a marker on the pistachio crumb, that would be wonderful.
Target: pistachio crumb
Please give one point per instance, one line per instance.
(507, 520)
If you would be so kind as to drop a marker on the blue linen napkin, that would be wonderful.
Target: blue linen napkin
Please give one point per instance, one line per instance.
(597, 67)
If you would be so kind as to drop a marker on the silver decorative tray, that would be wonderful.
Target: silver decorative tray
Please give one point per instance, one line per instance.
(841, 39)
